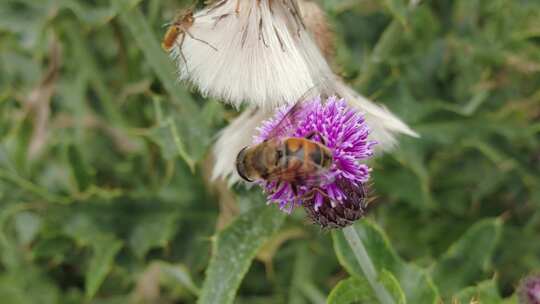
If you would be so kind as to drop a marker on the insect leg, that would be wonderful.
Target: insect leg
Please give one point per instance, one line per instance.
(200, 40)
(312, 134)
(294, 189)
(311, 194)
(321, 192)
(180, 44)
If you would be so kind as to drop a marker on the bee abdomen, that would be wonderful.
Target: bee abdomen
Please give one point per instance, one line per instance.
(319, 155)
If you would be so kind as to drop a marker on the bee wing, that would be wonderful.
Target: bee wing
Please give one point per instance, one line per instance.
(317, 177)
(291, 119)
(288, 123)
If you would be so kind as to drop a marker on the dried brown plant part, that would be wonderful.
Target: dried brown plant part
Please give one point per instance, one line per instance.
(132, 89)
(228, 208)
(268, 250)
(317, 24)
(37, 103)
(522, 64)
(147, 286)
(121, 140)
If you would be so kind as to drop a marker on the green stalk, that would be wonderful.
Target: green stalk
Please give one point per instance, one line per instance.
(32, 188)
(164, 68)
(367, 265)
(390, 38)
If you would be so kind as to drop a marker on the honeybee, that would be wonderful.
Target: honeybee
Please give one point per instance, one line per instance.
(296, 160)
(307, 163)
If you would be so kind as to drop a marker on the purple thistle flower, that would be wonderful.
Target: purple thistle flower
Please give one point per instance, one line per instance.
(340, 197)
(529, 290)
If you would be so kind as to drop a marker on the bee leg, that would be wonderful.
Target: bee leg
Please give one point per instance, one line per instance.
(300, 198)
(321, 192)
(294, 190)
(312, 134)
(309, 195)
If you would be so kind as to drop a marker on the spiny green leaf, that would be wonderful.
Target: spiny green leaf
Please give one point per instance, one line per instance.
(169, 132)
(154, 230)
(164, 69)
(27, 286)
(484, 292)
(398, 9)
(233, 250)
(79, 168)
(414, 281)
(178, 274)
(392, 285)
(302, 266)
(27, 225)
(352, 290)
(469, 258)
(103, 252)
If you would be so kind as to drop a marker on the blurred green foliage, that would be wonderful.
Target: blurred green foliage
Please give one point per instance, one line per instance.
(103, 192)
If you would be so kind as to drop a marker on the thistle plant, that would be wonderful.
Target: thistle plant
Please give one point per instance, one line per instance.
(267, 54)
(262, 53)
(342, 187)
(105, 157)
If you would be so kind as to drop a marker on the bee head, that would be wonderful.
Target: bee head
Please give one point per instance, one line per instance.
(241, 165)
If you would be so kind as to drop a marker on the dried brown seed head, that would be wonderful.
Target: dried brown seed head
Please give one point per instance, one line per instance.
(317, 24)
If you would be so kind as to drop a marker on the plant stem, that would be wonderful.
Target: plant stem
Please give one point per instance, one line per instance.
(367, 265)
(32, 188)
(388, 41)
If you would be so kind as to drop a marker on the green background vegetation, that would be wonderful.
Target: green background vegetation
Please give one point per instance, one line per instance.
(103, 158)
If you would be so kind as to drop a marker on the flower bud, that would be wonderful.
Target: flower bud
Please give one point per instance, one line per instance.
(342, 214)
(529, 290)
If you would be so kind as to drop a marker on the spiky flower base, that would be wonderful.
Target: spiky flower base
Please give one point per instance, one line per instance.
(332, 216)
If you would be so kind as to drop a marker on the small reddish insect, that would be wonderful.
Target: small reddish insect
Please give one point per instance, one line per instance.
(180, 26)
(177, 31)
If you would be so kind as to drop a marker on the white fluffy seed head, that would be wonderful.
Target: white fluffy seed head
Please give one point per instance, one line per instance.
(239, 133)
(317, 24)
(262, 55)
(384, 124)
